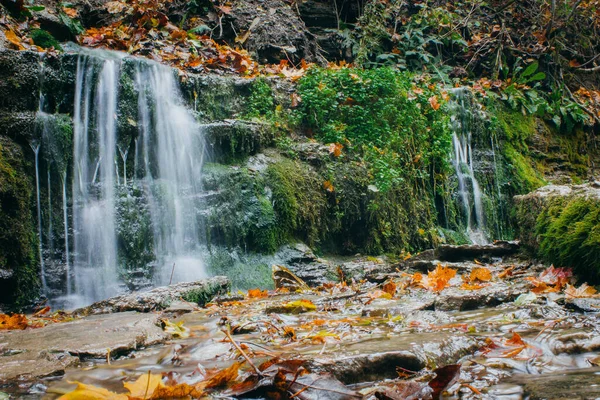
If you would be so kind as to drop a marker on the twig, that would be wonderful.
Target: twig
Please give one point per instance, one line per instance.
(172, 272)
(228, 334)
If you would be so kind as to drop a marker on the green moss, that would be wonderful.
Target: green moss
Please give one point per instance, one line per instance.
(44, 39)
(569, 235)
(298, 200)
(18, 241)
(516, 129)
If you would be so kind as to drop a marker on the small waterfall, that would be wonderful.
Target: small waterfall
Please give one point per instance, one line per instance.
(50, 236)
(165, 182)
(469, 191)
(36, 150)
(171, 135)
(95, 251)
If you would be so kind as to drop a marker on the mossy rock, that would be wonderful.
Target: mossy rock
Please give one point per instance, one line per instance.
(561, 225)
(44, 39)
(18, 240)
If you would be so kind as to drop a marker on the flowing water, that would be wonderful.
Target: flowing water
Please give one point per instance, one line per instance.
(36, 150)
(167, 169)
(469, 191)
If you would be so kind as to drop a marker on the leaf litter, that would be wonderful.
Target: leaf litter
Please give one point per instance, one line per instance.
(288, 342)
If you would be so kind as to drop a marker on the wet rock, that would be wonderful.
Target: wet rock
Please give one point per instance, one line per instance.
(576, 342)
(447, 252)
(583, 304)
(199, 292)
(36, 353)
(397, 352)
(234, 139)
(581, 384)
(454, 299)
(301, 260)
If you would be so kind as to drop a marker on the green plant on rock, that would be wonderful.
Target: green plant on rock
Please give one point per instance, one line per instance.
(261, 103)
(44, 39)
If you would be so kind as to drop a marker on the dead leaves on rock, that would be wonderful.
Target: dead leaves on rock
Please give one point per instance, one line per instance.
(436, 280)
(15, 321)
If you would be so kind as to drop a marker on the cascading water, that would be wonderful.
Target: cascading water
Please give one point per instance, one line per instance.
(469, 191)
(166, 176)
(66, 228)
(171, 136)
(36, 151)
(95, 244)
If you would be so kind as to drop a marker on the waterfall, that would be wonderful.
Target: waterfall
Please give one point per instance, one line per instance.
(173, 140)
(50, 241)
(66, 227)
(469, 191)
(36, 150)
(95, 244)
(167, 167)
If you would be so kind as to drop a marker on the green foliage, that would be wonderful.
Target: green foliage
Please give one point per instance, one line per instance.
(260, 102)
(377, 113)
(569, 232)
(44, 39)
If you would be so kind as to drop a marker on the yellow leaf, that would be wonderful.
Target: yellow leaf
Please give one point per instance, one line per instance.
(177, 330)
(481, 275)
(144, 387)
(299, 306)
(327, 185)
(14, 39)
(90, 392)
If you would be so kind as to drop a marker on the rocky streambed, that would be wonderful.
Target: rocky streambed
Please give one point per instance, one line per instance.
(491, 327)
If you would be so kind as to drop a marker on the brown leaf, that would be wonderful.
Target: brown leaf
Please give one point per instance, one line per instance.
(433, 101)
(327, 185)
(581, 292)
(444, 377)
(336, 149)
(390, 288)
(224, 377)
(71, 12)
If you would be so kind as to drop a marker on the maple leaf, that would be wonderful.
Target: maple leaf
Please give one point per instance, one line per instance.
(90, 392)
(582, 291)
(224, 377)
(327, 185)
(71, 12)
(556, 276)
(299, 306)
(480, 274)
(177, 329)
(15, 321)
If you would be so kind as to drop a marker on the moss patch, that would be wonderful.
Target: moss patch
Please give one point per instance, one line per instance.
(44, 39)
(569, 234)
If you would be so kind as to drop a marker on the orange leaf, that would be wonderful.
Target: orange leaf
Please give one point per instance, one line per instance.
(433, 101)
(225, 376)
(390, 288)
(582, 291)
(15, 321)
(574, 63)
(327, 185)
(480, 274)
(336, 149)
(437, 279)
(14, 39)
(71, 12)
(507, 272)
(257, 293)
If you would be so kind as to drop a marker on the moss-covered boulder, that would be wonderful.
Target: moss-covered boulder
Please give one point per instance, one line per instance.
(561, 225)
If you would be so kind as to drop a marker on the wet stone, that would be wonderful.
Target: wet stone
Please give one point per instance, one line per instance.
(37, 353)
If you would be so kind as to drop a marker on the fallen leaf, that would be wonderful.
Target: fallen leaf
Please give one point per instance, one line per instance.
(15, 321)
(582, 291)
(177, 329)
(144, 387)
(225, 376)
(14, 39)
(90, 392)
(435, 280)
(444, 377)
(433, 101)
(257, 293)
(336, 149)
(390, 288)
(327, 185)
